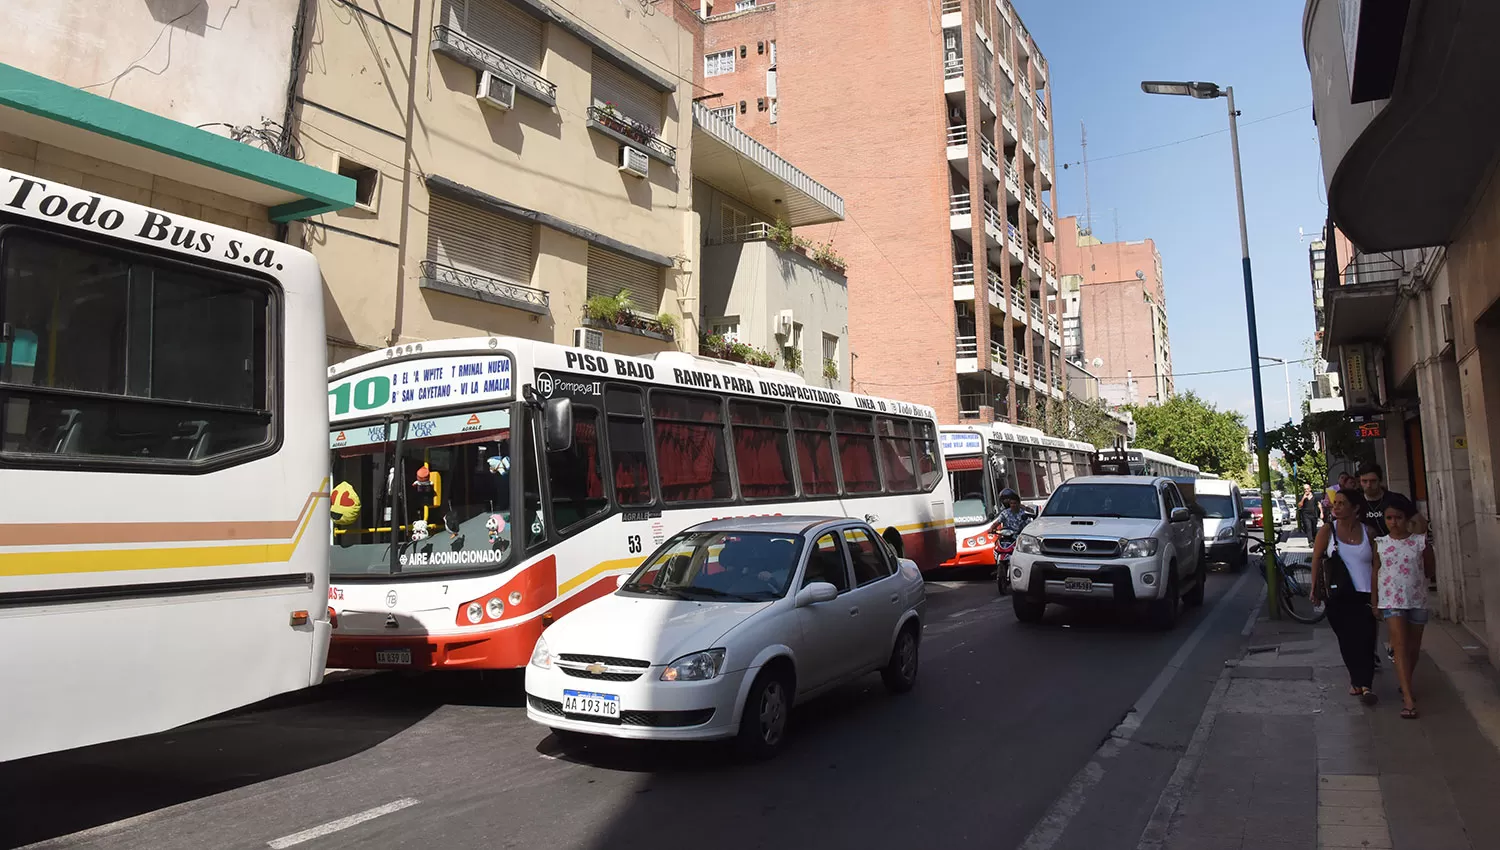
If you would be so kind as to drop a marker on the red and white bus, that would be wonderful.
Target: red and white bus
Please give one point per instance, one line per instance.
(485, 486)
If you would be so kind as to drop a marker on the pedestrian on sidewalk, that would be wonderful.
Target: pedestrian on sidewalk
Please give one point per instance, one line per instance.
(1399, 572)
(1342, 557)
(1309, 513)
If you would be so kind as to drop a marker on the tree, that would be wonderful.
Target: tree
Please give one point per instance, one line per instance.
(1192, 430)
(1297, 446)
(1072, 418)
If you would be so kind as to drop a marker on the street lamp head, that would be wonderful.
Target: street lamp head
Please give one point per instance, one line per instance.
(1202, 91)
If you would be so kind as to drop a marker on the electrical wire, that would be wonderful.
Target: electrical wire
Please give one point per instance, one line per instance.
(1158, 147)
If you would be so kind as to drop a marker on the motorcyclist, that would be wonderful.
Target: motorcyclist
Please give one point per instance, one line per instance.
(1013, 517)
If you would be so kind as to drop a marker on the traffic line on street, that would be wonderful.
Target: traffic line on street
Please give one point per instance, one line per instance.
(342, 823)
(1154, 836)
(1060, 814)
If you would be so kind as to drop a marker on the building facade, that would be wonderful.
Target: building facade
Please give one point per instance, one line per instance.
(1121, 314)
(1413, 322)
(944, 161)
(1324, 395)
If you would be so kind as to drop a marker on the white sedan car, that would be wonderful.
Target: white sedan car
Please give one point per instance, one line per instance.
(726, 627)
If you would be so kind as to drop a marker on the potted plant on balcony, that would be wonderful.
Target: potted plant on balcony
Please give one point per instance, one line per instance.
(830, 368)
(610, 115)
(616, 313)
(791, 359)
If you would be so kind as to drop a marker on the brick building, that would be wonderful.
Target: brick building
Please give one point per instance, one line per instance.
(1121, 316)
(944, 161)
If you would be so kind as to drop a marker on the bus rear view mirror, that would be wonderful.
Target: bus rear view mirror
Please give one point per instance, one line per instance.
(557, 424)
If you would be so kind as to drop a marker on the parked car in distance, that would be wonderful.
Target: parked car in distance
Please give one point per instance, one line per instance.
(1223, 524)
(1111, 540)
(726, 627)
(1252, 504)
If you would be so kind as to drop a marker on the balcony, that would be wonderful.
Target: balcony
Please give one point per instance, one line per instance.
(1017, 303)
(992, 222)
(1049, 273)
(1013, 241)
(960, 212)
(998, 363)
(1012, 181)
(747, 170)
(963, 282)
(953, 75)
(989, 156)
(997, 289)
(454, 281)
(969, 404)
(1030, 195)
(449, 42)
(958, 137)
(628, 131)
(1022, 369)
(951, 7)
(1359, 309)
(966, 349)
(1041, 111)
(1049, 224)
(1039, 374)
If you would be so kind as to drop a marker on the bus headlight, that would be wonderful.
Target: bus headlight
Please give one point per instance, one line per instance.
(494, 608)
(475, 612)
(515, 598)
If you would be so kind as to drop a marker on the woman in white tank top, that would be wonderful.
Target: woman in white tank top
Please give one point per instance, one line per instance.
(1348, 592)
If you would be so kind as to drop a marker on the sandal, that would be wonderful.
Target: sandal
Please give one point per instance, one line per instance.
(1368, 696)
(1408, 714)
(1355, 691)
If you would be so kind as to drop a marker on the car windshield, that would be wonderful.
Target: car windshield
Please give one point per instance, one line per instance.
(1252, 501)
(1129, 501)
(1216, 506)
(738, 566)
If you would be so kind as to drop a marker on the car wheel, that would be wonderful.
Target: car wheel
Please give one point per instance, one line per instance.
(1028, 610)
(763, 723)
(1194, 597)
(1164, 611)
(900, 673)
(1240, 558)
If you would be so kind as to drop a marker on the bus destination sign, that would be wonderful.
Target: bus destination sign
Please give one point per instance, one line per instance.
(418, 384)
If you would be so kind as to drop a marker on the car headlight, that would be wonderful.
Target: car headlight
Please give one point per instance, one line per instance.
(1027, 544)
(1226, 532)
(1141, 547)
(697, 667)
(542, 655)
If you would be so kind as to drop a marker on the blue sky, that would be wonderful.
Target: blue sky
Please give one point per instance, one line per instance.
(1182, 196)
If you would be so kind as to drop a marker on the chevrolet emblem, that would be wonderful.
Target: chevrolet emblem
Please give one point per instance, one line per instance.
(596, 669)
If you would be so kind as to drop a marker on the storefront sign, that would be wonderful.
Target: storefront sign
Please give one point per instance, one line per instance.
(1371, 430)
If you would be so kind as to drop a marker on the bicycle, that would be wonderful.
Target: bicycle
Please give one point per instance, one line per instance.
(1295, 597)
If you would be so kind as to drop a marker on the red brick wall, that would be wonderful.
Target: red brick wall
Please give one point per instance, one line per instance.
(750, 32)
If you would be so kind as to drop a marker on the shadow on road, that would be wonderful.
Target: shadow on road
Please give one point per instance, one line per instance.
(62, 793)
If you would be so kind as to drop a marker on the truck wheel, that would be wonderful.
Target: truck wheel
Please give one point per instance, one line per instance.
(1028, 610)
(1194, 597)
(1164, 611)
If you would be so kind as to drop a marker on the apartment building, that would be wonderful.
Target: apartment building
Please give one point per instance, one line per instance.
(1121, 314)
(1411, 320)
(523, 168)
(184, 111)
(1324, 394)
(944, 162)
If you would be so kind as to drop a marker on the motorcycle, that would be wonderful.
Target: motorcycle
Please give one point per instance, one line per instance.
(1005, 544)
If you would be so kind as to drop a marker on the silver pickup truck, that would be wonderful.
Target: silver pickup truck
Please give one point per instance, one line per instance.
(1120, 540)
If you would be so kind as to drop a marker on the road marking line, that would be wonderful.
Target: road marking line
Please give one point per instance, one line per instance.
(1155, 834)
(342, 823)
(1055, 822)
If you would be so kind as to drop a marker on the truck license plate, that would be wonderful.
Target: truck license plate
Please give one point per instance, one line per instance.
(596, 705)
(1078, 585)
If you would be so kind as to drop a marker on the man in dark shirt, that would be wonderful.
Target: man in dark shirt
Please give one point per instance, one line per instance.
(1377, 498)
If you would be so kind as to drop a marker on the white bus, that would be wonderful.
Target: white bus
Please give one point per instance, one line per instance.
(1143, 462)
(164, 543)
(487, 486)
(983, 460)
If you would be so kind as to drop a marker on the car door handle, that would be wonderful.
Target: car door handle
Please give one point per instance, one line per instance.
(854, 612)
(896, 597)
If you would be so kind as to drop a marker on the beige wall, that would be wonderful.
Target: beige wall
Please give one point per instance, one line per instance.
(194, 61)
(534, 156)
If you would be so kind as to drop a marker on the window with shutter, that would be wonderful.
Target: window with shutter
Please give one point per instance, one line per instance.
(500, 26)
(609, 273)
(629, 94)
(480, 242)
(734, 224)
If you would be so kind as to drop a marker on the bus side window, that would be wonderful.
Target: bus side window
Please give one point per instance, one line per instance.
(576, 476)
(531, 490)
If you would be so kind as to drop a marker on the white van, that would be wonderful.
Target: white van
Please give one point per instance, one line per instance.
(1223, 520)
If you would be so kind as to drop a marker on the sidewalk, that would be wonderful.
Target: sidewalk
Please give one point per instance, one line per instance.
(1283, 758)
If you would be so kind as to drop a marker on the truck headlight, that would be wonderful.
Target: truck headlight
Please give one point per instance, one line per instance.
(695, 667)
(1028, 544)
(1141, 547)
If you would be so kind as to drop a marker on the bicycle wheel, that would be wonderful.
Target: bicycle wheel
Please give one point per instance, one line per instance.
(1296, 600)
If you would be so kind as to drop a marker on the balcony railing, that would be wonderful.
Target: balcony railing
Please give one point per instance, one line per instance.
(1036, 313)
(954, 67)
(959, 205)
(1041, 109)
(1023, 364)
(1047, 218)
(464, 50)
(991, 217)
(950, 6)
(1048, 265)
(963, 274)
(1033, 253)
(757, 231)
(1051, 324)
(1370, 268)
(969, 404)
(958, 134)
(987, 149)
(469, 284)
(1010, 175)
(1030, 194)
(997, 352)
(1018, 300)
(633, 130)
(967, 346)
(1012, 233)
(997, 285)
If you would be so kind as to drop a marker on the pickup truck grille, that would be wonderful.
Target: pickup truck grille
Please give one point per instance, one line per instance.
(1092, 547)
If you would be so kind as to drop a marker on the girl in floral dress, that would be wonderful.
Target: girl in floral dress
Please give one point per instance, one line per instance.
(1400, 571)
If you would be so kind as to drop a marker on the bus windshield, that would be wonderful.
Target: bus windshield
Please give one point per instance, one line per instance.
(444, 500)
(973, 501)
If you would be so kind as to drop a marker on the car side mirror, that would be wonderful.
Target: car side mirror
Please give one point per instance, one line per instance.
(1245, 513)
(1181, 515)
(557, 424)
(818, 591)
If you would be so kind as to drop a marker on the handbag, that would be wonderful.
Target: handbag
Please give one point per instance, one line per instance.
(1340, 584)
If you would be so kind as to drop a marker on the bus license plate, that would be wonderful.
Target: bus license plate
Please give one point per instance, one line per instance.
(1078, 585)
(393, 656)
(596, 705)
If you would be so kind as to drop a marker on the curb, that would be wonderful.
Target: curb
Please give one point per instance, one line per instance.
(1476, 682)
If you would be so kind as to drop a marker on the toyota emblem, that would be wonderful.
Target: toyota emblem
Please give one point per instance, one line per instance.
(1079, 546)
(390, 599)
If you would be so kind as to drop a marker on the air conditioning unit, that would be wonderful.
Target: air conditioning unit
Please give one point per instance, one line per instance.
(634, 162)
(784, 323)
(589, 338)
(496, 91)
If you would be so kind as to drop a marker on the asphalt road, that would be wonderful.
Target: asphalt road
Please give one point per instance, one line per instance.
(995, 748)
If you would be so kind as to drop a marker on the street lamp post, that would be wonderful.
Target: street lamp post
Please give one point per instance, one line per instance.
(1287, 374)
(1209, 91)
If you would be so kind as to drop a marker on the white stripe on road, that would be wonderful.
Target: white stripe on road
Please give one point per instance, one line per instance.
(1154, 836)
(1055, 822)
(342, 823)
